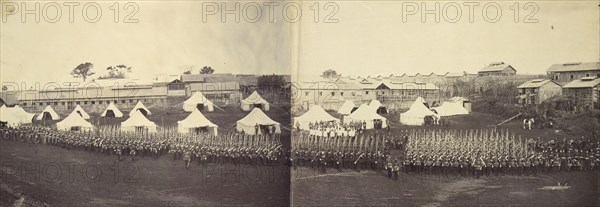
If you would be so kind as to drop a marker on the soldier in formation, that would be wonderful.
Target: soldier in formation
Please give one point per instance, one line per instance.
(489, 152)
(229, 148)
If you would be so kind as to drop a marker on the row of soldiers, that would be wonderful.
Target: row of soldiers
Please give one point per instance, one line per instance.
(338, 151)
(334, 128)
(205, 148)
(487, 152)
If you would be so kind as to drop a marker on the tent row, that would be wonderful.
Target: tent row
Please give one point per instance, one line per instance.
(196, 101)
(200, 102)
(256, 122)
(418, 111)
(348, 107)
(364, 114)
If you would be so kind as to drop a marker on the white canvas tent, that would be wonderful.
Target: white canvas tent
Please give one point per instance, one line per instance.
(378, 107)
(139, 106)
(48, 114)
(314, 114)
(450, 108)
(256, 116)
(196, 120)
(137, 122)
(74, 122)
(112, 111)
(81, 112)
(255, 100)
(365, 113)
(15, 116)
(198, 101)
(416, 114)
(347, 108)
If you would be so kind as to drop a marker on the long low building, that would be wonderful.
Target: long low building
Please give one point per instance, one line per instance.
(332, 94)
(125, 93)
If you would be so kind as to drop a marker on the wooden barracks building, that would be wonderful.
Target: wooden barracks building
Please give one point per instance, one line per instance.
(125, 93)
(332, 94)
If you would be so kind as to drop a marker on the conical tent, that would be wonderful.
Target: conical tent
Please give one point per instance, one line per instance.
(196, 120)
(254, 118)
(112, 111)
(141, 108)
(48, 114)
(198, 101)
(450, 108)
(315, 114)
(347, 108)
(137, 122)
(15, 116)
(255, 100)
(74, 122)
(365, 114)
(416, 114)
(378, 107)
(81, 112)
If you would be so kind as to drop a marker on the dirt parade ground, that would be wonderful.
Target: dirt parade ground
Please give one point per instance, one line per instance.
(49, 175)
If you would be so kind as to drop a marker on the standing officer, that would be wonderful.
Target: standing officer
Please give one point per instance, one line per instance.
(187, 156)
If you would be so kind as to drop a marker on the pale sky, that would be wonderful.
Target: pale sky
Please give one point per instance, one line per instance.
(168, 37)
(369, 39)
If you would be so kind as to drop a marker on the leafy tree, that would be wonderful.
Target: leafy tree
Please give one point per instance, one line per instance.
(271, 82)
(117, 72)
(330, 74)
(83, 70)
(187, 72)
(207, 70)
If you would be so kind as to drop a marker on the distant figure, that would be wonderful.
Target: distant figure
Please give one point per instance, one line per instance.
(524, 123)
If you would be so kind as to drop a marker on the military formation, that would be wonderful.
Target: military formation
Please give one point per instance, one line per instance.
(424, 151)
(202, 148)
(492, 152)
(339, 146)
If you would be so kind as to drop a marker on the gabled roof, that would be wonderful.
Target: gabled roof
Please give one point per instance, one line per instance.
(495, 67)
(586, 82)
(565, 67)
(536, 83)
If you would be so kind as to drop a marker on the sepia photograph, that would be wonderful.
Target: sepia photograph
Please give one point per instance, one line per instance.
(299, 103)
(114, 103)
(442, 103)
